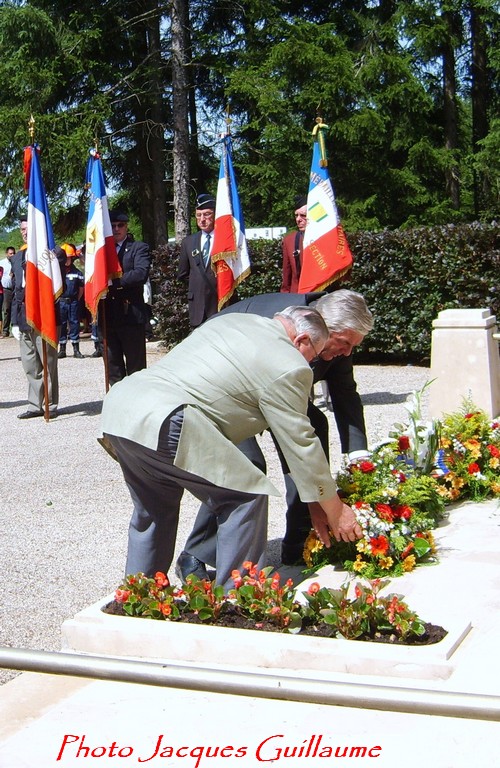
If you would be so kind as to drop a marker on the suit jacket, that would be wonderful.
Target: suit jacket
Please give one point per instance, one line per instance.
(124, 304)
(290, 268)
(338, 373)
(201, 281)
(236, 376)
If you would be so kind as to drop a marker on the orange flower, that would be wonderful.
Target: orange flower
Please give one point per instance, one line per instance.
(379, 545)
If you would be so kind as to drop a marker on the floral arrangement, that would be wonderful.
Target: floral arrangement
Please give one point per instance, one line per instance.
(399, 495)
(260, 597)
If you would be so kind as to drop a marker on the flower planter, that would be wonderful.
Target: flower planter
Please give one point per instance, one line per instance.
(95, 632)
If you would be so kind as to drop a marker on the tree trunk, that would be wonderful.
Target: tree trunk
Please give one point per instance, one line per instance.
(181, 176)
(479, 77)
(450, 112)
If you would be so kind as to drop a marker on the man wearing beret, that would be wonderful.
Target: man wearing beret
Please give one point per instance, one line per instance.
(125, 310)
(195, 266)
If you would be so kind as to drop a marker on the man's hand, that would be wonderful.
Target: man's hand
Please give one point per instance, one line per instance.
(15, 332)
(335, 516)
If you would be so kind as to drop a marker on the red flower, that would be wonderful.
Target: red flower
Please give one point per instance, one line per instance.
(473, 468)
(494, 451)
(379, 545)
(313, 588)
(161, 580)
(122, 595)
(384, 512)
(403, 511)
(403, 443)
(166, 609)
(400, 476)
(366, 466)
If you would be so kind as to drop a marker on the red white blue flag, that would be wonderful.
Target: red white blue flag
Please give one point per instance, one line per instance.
(326, 256)
(101, 259)
(230, 258)
(43, 274)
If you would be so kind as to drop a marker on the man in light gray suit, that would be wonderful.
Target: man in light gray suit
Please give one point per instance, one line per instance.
(176, 426)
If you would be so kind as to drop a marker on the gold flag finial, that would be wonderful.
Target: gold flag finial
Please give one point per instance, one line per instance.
(31, 128)
(319, 133)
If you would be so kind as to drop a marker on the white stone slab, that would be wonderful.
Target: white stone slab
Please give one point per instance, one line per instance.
(94, 632)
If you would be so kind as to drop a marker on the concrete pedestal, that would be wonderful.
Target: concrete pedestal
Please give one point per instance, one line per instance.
(465, 362)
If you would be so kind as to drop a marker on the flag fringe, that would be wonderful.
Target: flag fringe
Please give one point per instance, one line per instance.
(42, 335)
(338, 276)
(236, 283)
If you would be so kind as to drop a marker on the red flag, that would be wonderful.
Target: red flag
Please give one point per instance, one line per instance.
(230, 256)
(326, 256)
(43, 274)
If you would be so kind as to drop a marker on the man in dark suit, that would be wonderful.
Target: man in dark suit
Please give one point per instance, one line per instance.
(124, 307)
(348, 320)
(195, 266)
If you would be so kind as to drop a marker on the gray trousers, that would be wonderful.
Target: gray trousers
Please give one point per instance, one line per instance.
(30, 346)
(156, 487)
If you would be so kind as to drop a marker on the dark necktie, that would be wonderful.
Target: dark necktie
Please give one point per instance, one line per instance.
(206, 251)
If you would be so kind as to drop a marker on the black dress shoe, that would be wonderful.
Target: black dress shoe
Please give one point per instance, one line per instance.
(292, 554)
(29, 414)
(187, 564)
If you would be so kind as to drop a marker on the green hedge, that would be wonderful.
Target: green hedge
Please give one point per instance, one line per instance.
(406, 276)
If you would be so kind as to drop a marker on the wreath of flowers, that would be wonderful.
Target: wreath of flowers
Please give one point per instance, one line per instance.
(400, 494)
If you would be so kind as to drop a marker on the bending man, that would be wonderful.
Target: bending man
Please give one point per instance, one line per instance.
(348, 320)
(176, 425)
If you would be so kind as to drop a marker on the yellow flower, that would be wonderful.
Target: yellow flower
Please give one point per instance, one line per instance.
(495, 487)
(359, 564)
(363, 546)
(494, 462)
(445, 442)
(429, 536)
(312, 544)
(385, 562)
(474, 447)
(409, 563)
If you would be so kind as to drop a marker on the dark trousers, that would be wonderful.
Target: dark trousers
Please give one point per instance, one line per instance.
(156, 487)
(69, 317)
(201, 541)
(126, 346)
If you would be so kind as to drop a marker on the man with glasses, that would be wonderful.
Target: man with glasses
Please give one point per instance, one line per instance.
(291, 248)
(195, 265)
(125, 311)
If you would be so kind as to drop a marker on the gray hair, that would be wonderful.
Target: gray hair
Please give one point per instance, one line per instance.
(343, 309)
(306, 320)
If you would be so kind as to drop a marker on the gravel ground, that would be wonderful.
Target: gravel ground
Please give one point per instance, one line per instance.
(65, 508)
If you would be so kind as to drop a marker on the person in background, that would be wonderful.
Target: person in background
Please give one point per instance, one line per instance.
(30, 341)
(195, 267)
(69, 303)
(6, 280)
(124, 308)
(291, 248)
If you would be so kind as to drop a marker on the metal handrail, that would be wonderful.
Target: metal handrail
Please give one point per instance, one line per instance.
(247, 683)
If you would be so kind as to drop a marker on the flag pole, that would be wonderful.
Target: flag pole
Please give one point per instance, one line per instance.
(101, 306)
(46, 415)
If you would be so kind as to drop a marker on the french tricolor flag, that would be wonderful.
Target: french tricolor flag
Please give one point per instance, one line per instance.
(43, 274)
(230, 257)
(101, 259)
(326, 256)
